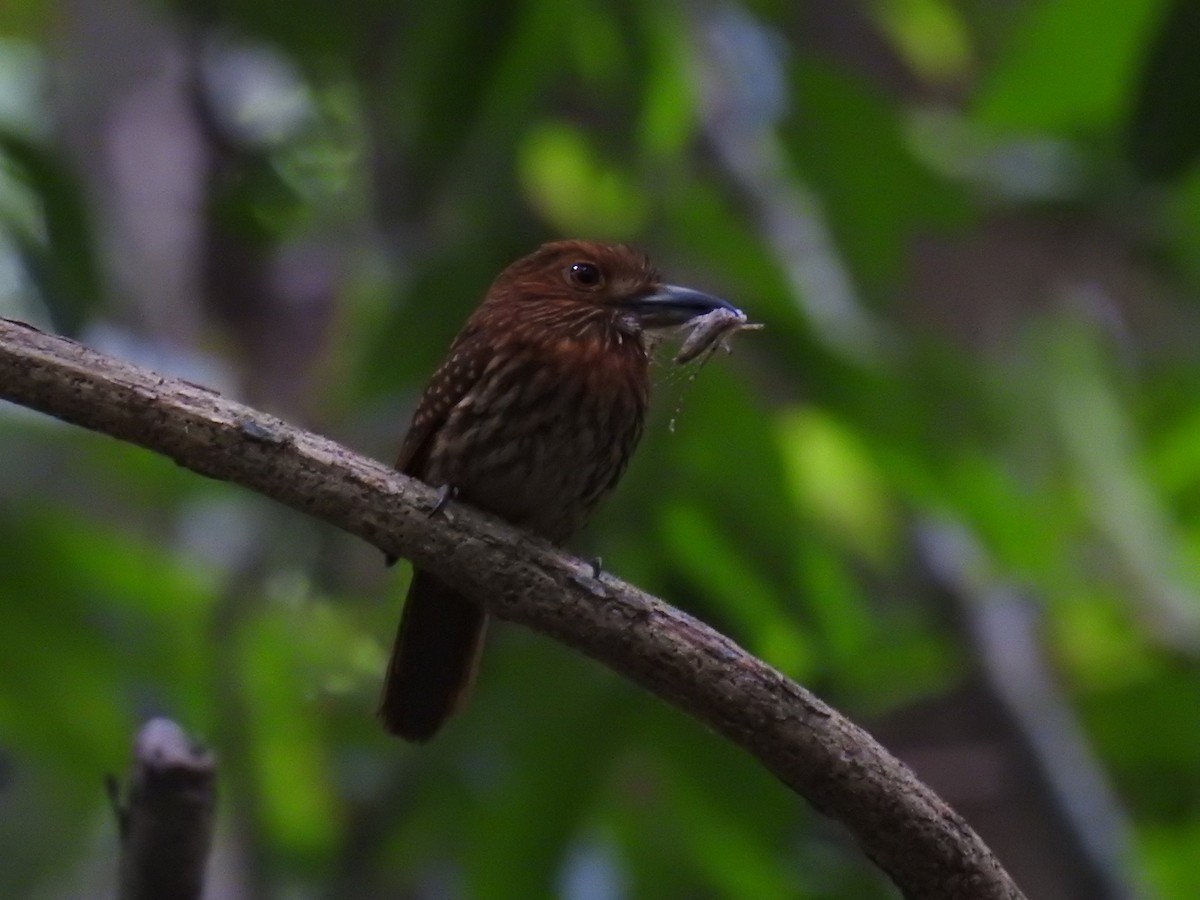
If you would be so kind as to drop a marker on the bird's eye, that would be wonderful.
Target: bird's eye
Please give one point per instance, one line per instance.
(584, 274)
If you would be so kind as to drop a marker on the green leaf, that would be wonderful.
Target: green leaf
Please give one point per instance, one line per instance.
(574, 189)
(1164, 130)
(1068, 66)
(712, 563)
(836, 483)
(876, 200)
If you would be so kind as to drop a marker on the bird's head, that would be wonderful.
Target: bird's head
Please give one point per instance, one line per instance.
(581, 285)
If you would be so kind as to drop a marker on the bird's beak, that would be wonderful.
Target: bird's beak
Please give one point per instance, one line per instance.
(669, 305)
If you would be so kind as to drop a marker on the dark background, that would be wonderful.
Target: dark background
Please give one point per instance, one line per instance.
(954, 486)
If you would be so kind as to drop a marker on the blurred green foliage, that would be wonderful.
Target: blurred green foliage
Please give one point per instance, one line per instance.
(971, 178)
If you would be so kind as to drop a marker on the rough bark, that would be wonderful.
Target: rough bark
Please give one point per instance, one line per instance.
(906, 829)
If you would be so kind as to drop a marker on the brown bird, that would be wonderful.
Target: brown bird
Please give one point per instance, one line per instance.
(533, 417)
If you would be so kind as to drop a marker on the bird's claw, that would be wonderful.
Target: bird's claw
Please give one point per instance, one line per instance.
(445, 494)
(592, 582)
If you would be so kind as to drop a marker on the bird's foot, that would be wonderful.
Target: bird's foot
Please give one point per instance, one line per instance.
(592, 582)
(445, 494)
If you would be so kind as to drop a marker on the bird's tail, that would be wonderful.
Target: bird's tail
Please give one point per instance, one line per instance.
(433, 660)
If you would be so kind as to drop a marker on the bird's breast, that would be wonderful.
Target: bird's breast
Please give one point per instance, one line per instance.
(545, 432)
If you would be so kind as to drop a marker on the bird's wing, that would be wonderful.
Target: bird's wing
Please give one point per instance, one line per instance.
(450, 383)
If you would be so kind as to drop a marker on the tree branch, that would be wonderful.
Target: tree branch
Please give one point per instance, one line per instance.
(907, 830)
(166, 820)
